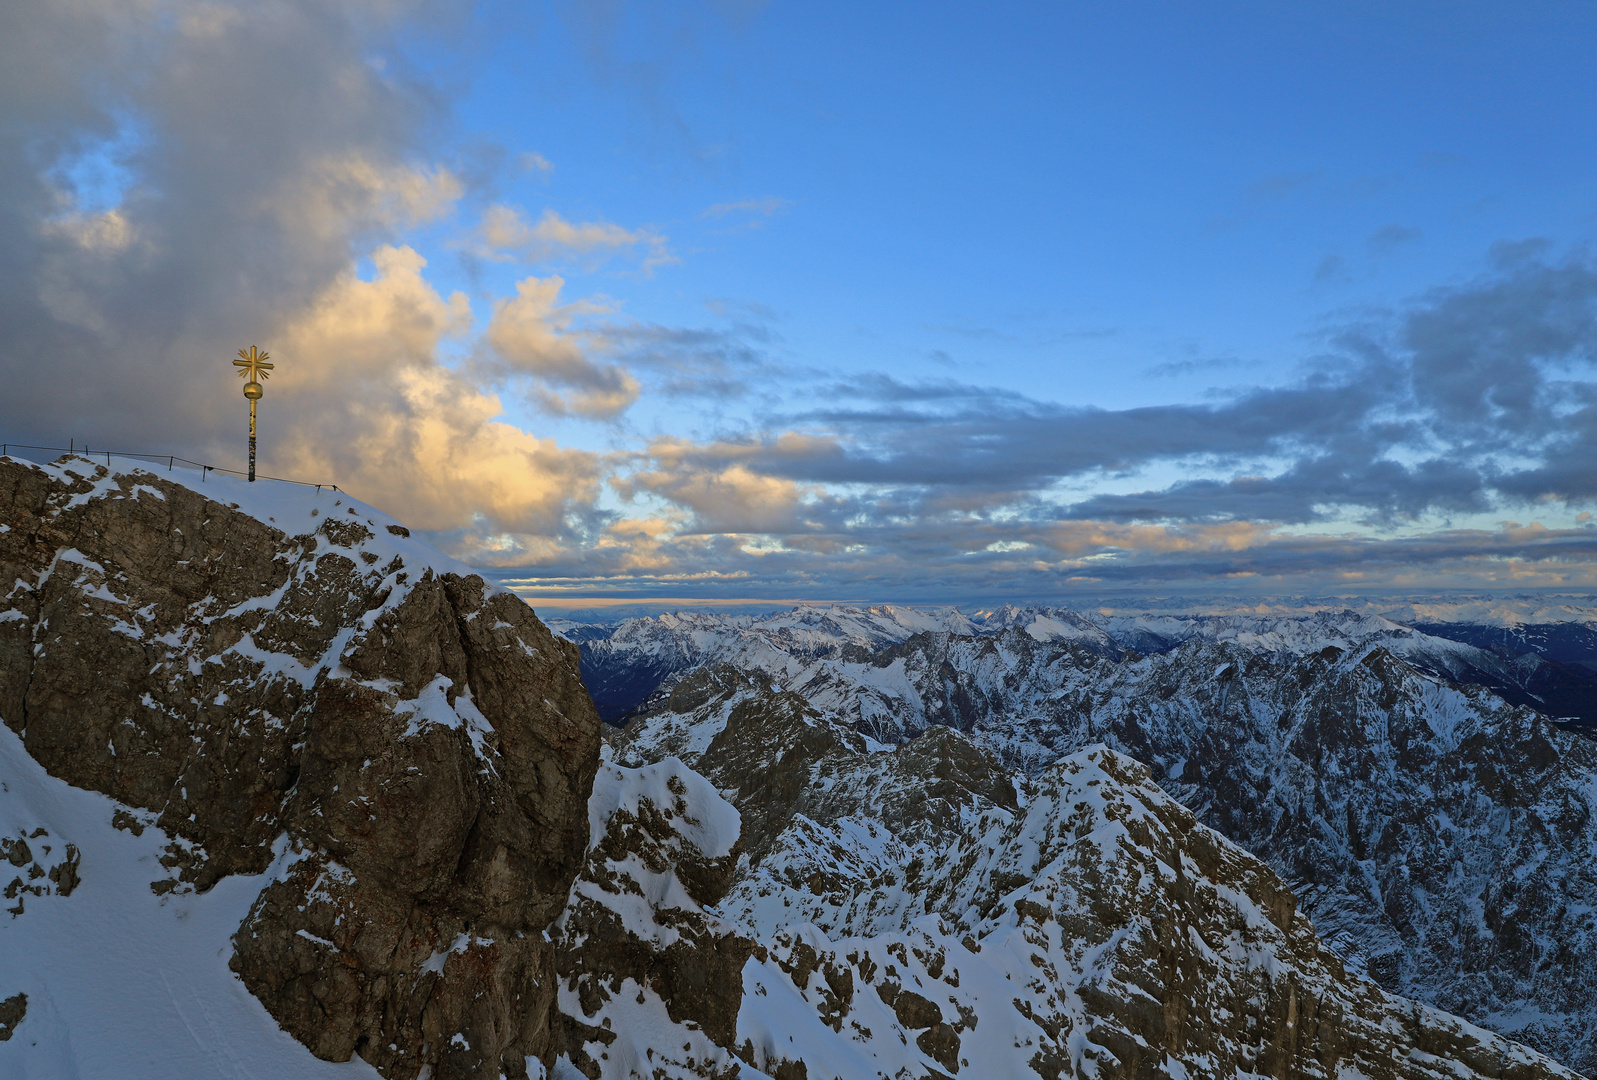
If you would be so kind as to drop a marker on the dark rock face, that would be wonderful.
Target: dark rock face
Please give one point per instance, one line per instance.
(423, 746)
(12, 1010)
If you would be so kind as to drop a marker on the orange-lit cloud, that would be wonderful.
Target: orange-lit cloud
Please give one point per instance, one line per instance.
(367, 399)
(531, 333)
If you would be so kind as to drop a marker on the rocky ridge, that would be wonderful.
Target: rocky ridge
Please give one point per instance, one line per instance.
(652, 976)
(624, 664)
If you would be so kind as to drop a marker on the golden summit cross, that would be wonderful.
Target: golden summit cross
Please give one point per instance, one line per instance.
(252, 365)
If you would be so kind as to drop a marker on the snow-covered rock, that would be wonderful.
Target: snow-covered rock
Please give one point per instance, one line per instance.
(633, 664)
(651, 976)
(638, 656)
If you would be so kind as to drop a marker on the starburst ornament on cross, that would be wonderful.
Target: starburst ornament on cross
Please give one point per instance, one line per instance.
(252, 365)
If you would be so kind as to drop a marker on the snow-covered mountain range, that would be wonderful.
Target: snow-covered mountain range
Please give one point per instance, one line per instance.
(1551, 667)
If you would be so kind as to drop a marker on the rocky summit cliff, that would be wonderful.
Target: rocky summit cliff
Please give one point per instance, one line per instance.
(284, 792)
(401, 756)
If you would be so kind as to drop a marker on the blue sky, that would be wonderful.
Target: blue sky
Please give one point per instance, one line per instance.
(779, 301)
(1054, 200)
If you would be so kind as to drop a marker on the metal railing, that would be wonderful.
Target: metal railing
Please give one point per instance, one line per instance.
(171, 460)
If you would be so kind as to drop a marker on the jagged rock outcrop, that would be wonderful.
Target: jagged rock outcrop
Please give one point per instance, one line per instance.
(38, 865)
(12, 1011)
(782, 758)
(640, 936)
(305, 691)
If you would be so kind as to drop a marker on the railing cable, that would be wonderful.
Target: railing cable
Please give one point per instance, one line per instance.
(170, 459)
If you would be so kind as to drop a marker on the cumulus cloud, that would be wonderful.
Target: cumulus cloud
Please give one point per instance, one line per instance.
(257, 152)
(357, 188)
(731, 500)
(367, 401)
(105, 233)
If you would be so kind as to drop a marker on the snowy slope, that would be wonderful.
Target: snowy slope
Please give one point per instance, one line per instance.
(119, 981)
(290, 507)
